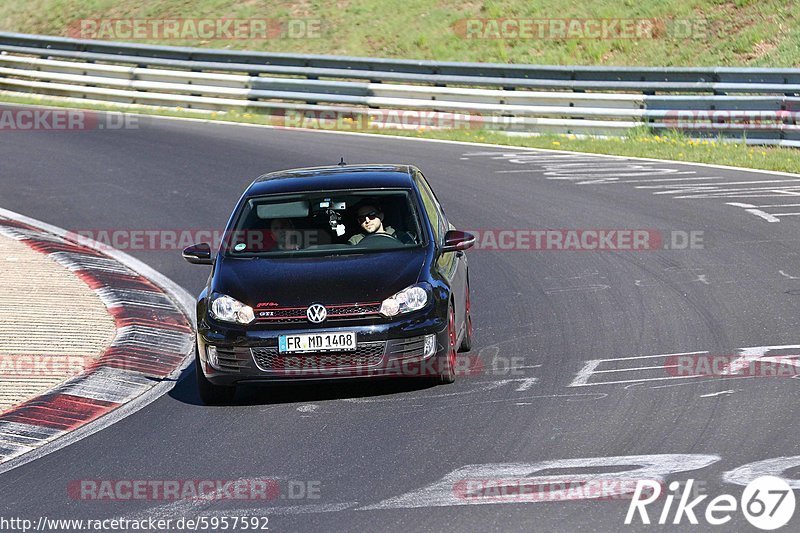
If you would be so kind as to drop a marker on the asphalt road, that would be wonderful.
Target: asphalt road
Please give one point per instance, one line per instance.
(370, 451)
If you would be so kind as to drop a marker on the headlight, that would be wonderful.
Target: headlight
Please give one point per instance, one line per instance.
(409, 299)
(231, 310)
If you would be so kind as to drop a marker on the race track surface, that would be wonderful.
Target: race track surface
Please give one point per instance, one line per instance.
(379, 454)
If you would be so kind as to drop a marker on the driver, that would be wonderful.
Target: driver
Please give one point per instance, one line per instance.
(370, 217)
(284, 234)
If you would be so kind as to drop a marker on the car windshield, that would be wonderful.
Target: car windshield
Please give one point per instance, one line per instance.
(325, 223)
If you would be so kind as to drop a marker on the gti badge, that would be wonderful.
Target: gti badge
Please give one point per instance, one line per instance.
(316, 313)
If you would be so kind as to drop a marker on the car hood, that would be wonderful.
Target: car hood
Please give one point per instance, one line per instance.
(287, 282)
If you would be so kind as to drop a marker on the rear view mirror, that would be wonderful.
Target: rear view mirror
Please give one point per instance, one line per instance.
(455, 240)
(297, 209)
(198, 254)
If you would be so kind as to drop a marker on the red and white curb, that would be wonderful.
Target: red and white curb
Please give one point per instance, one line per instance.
(154, 342)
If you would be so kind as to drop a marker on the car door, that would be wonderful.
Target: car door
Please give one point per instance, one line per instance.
(451, 265)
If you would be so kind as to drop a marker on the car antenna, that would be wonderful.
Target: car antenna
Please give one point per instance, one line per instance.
(341, 162)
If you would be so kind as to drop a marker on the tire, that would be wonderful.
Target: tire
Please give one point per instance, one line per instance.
(466, 342)
(447, 363)
(211, 394)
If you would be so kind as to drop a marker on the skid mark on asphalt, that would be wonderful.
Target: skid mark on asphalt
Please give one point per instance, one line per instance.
(518, 401)
(202, 503)
(263, 513)
(588, 288)
(479, 386)
(655, 177)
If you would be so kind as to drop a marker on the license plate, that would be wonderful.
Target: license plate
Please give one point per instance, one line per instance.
(317, 342)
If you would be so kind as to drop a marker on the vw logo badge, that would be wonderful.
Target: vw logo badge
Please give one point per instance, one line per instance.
(316, 313)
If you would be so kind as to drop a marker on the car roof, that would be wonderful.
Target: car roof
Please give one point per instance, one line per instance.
(333, 178)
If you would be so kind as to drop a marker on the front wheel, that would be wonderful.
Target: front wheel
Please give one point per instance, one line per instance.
(466, 342)
(211, 394)
(447, 361)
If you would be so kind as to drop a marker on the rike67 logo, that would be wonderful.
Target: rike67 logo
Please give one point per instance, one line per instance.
(767, 503)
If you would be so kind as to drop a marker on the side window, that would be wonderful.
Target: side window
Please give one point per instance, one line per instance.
(431, 207)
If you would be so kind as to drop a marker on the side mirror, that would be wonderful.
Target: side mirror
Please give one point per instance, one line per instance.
(198, 254)
(455, 240)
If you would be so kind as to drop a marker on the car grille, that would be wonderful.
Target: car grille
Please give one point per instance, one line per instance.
(367, 354)
(289, 315)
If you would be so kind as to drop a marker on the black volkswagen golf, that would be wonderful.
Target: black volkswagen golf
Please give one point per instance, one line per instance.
(338, 272)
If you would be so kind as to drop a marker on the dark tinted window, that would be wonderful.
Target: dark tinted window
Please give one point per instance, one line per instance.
(322, 222)
(431, 207)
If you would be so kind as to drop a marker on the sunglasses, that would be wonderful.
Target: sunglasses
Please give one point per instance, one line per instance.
(371, 215)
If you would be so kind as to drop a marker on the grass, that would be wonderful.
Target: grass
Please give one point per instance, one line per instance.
(639, 142)
(685, 32)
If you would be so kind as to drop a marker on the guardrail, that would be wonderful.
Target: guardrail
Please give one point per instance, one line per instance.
(731, 102)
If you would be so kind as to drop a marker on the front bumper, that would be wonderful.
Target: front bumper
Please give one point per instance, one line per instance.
(386, 349)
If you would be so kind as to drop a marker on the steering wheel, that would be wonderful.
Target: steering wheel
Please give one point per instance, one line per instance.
(376, 238)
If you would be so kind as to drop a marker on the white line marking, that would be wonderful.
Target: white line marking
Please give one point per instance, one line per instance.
(526, 384)
(711, 395)
(585, 373)
(590, 368)
(754, 353)
(673, 179)
(785, 275)
(715, 185)
(635, 380)
(731, 193)
(757, 212)
(635, 357)
(453, 489)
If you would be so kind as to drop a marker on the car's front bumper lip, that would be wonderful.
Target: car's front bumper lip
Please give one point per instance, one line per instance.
(237, 350)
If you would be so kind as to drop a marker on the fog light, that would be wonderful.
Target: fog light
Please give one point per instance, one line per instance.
(430, 345)
(211, 355)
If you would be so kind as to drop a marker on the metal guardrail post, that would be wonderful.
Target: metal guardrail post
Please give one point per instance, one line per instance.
(533, 97)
